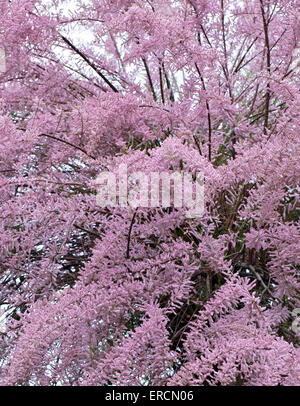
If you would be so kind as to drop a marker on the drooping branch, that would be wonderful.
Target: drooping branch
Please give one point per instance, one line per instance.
(149, 79)
(91, 64)
(161, 86)
(172, 98)
(239, 65)
(223, 33)
(268, 56)
(208, 114)
(93, 233)
(67, 143)
(225, 67)
(129, 235)
(197, 144)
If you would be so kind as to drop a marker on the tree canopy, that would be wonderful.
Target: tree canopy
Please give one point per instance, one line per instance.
(95, 295)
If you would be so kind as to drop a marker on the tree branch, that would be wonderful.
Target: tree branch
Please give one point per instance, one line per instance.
(129, 235)
(67, 143)
(267, 46)
(208, 115)
(91, 64)
(149, 79)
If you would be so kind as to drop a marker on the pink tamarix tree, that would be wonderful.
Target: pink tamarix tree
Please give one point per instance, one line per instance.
(95, 295)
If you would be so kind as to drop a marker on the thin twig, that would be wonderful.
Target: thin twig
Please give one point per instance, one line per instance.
(91, 64)
(93, 233)
(68, 143)
(149, 79)
(208, 114)
(267, 46)
(129, 234)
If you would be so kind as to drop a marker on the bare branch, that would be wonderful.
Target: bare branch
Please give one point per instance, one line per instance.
(91, 64)
(129, 235)
(67, 142)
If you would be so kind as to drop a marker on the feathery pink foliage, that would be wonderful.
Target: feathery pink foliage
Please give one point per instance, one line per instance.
(113, 296)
